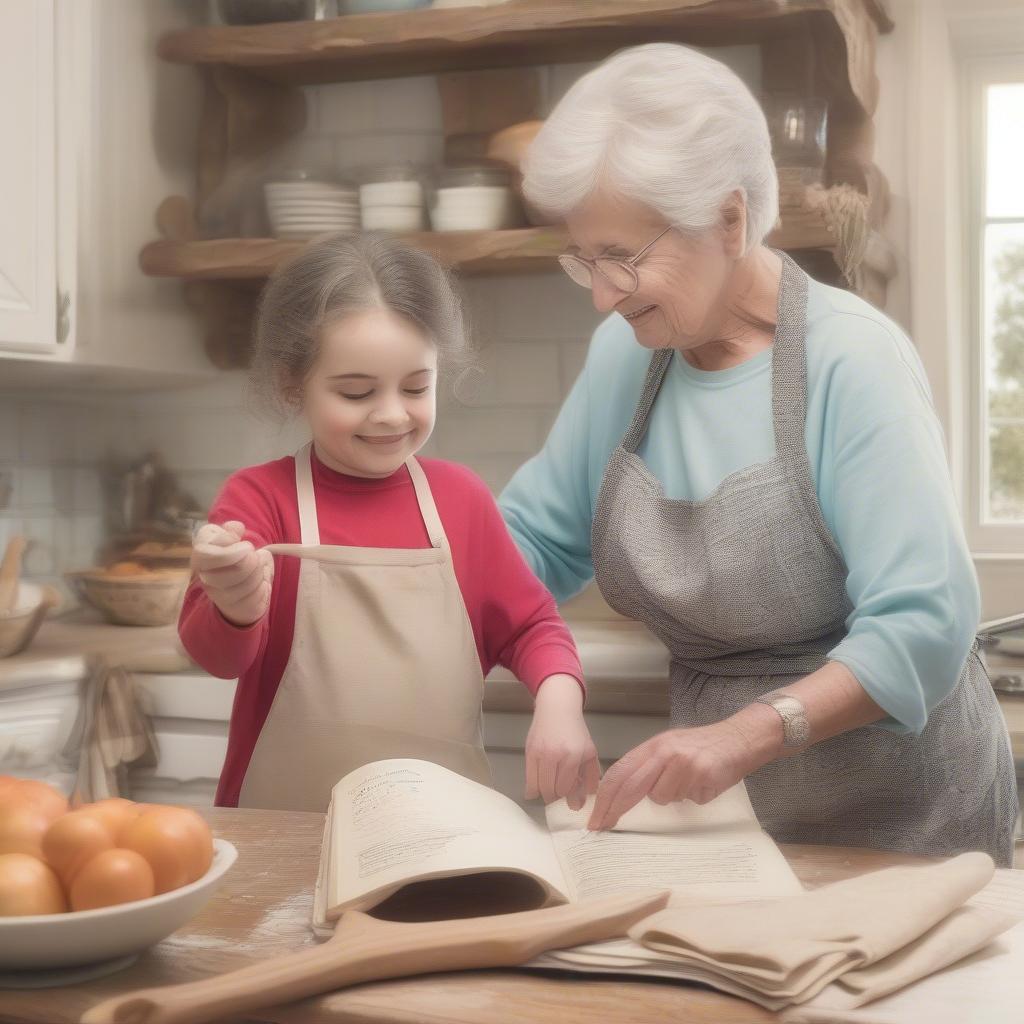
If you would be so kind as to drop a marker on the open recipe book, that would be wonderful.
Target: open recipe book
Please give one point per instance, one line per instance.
(416, 841)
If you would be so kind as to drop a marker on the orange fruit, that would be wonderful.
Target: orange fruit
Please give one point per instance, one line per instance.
(49, 800)
(22, 826)
(73, 840)
(111, 877)
(115, 813)
(28, 886)
(169, 838)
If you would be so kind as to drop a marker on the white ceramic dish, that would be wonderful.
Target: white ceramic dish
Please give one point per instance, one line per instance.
(304, 234)
(392, 218)
(316, 218)
(22, 622)
(317, 227)
(287, 190)
(48, 941)
(312, 203)
(391, 193)
(472, 208)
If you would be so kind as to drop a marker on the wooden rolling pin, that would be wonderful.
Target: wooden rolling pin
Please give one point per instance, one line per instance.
(366, 949)
(10, 573)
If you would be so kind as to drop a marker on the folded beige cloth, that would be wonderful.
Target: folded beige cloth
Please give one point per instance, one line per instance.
(112, 733)
(877, 932)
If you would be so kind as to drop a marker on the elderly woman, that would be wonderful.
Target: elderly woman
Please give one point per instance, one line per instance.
(750, 465)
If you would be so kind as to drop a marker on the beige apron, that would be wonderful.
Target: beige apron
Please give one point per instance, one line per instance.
(383, 664)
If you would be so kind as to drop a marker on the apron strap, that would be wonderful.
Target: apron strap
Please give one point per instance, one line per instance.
(656, 370)
(428, 508)
(309, 526)
(789, 365)
(789, 372)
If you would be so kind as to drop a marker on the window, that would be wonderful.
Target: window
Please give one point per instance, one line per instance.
(996, 259)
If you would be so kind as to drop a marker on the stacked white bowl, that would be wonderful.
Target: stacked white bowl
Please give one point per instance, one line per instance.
(474, 197)
(303, 208)
(473, 208)
(395, 205)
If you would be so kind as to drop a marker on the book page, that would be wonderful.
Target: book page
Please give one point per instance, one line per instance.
(402, 820)
(712, 853)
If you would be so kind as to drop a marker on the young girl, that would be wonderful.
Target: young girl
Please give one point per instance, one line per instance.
(360, 594)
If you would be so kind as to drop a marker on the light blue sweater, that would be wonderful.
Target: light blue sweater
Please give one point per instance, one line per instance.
(878, 461)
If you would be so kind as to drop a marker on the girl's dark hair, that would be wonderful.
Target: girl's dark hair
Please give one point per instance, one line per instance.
(333, 277)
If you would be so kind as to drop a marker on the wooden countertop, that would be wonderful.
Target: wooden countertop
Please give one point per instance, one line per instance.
(62, 646)
(263, 910)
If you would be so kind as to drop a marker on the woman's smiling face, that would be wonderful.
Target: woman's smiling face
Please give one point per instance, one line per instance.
(679, 300)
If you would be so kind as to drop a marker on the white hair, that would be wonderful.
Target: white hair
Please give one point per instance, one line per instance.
(663, 125)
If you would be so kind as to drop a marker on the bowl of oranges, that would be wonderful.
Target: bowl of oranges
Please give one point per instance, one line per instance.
(100, 881)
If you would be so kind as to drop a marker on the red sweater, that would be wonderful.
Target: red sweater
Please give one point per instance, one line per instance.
(514, 618)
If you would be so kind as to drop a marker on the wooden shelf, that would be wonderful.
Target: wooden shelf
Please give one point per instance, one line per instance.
(520, 32)
(468, 252)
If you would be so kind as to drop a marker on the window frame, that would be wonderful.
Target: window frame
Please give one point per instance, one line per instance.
(979, 72)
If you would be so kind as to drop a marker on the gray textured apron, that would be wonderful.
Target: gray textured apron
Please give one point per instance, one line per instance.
(746, 588)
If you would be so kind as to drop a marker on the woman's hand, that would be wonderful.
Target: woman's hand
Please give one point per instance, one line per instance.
(236, 577)
(561, 759)
(679, 764)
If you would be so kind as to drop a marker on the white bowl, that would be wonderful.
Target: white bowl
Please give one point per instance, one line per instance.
(393, 218)
(472, 208)
(298, 191)
(391, 193)
(305, 234)
(315, 224)
(47, 941)
(317, 203)
(20, 624)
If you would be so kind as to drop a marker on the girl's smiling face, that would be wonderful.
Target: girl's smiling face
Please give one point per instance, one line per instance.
(370, 395)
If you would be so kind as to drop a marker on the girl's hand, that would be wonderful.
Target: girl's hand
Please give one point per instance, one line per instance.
(561, 759)
(236, 577)
(679, 764)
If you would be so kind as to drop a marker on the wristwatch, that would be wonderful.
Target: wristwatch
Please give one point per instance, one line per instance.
(796, 730)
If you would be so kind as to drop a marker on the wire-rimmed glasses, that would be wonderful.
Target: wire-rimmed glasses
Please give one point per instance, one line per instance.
(620, 273)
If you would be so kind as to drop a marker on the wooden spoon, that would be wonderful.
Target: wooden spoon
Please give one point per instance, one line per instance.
(366, 949)
(10, 573)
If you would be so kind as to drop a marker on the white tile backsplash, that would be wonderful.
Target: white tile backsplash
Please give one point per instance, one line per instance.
(46, 439)
(472, 432)
(513, 374)
(572, 355)
(10, 434)
(40, 555)
(355, 153)
(543, 307)
(35, 489)
(50, 476)
(87, 491)
(344, 108)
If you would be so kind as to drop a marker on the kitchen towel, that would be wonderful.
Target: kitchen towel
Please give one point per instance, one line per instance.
(111, 734)
(877, 933)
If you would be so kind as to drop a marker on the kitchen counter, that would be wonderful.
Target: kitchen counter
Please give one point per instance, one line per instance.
(263, 909)
(626, 667)
(63, 644)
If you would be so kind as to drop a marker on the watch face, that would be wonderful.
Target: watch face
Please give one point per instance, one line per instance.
(796, 728)
(797, 731)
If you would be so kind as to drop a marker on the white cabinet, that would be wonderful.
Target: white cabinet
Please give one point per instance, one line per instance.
(96, 135)
(38, 709)
(190, 713)
(28, 177)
